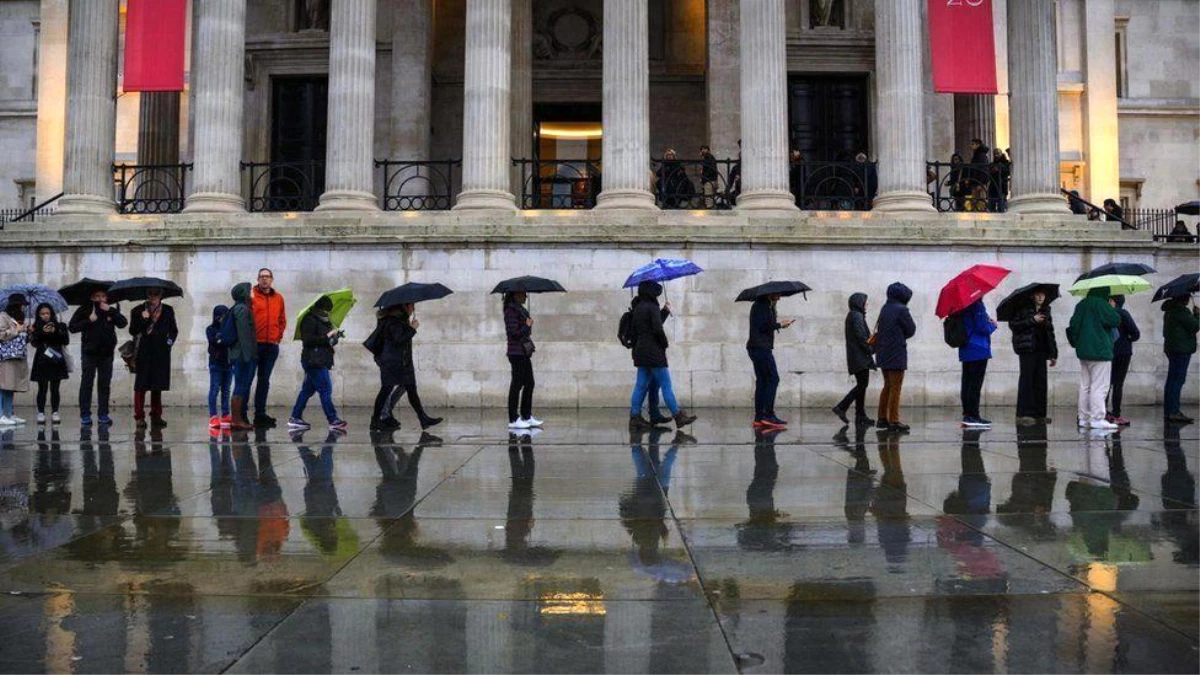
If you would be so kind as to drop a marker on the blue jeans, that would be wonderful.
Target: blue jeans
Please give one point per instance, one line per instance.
(316, 381)
(267, 354)
(766, 381)
(6, 403)
(220, 379)
(647, 378)
(1177, 367)
(243, 377)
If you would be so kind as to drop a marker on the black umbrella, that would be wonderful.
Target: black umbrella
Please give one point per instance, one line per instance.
(411, 292)
(1130, 269)
(1008, 307)
(783, 288)
(1191, 208)
(80, 292)
(135, 289)
(1181, 286)
(529, 284)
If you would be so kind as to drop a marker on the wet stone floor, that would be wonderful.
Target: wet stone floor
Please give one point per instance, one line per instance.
(585, 548)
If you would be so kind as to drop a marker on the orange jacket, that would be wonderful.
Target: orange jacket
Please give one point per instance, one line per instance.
(270, 317)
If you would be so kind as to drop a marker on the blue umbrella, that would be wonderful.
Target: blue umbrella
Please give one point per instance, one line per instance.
(662, 269)
(36, 294)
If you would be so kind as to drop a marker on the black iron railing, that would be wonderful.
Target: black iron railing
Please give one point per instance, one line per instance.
(418, 185)
(150, 188)
(283, 186)
(694, 183)
(978, 188)
(30, 214)
(1081, 206)
(559, 184)
(833, 186)
(1160, 223)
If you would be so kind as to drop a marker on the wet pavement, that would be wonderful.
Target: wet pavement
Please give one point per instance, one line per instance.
(586, 549)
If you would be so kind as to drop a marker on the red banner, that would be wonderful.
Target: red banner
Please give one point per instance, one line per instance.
(155, 36)
(963, 46)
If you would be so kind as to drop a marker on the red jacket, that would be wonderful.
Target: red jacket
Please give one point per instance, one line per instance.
(270, 316)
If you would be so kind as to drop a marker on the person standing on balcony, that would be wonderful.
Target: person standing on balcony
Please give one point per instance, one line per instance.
(1127, 333)
(1000, 172)
(980, 153)
(796, 176)
(710, 178)
(1179, 343)
(97, 323)
(894, 329)
(270, 324)
(675, 189)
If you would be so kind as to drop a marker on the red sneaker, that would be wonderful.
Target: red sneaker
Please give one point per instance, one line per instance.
(226, 421)
(1120, 421)
(214, 422)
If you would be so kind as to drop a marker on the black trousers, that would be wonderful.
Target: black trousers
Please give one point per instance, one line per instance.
(972, 386)
(858, 394)
(389, 396)
(520, 388)
(1031, 385)
(95, 369)
(52, 386)
(1120, 368)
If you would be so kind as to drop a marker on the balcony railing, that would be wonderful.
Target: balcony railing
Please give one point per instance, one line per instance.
(150, 188)
(694, 183)
(418, 186)
(31, 214)
(283, 186)
(1160, 223)
(559, 184)
(970, 188)
(833, 186)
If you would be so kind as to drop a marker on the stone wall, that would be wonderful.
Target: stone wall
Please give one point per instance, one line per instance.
(18, 97)
(460, 348)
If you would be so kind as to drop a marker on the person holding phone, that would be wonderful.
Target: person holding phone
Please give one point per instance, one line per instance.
(1033, 340)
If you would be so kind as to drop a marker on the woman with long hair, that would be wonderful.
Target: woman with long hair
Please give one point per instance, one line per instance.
(395, 331)
(14, 369)
(518, 330)
(49, 339)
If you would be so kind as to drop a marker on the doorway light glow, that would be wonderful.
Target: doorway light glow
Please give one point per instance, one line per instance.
(571, 130)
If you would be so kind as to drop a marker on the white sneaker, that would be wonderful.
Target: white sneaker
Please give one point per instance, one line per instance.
(17, 420)
(519, 424)
(7, 422)
(55, 417)
(41, 418)
(533, 421)
(1103, 424)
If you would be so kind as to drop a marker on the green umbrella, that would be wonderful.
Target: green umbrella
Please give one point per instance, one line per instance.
(1117, 284)
(342, 299)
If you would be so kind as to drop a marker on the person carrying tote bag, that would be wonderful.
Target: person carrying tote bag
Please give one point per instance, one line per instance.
(14, 369)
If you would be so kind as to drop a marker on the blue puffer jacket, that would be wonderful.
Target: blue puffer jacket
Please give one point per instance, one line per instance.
(979, 333)
(895, 326)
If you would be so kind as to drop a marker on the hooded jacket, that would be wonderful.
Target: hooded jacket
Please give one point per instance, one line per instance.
(1029, 336)
(894, 327)
(99, 337)
(764, 322)
(516, 332)
(1090, 331)
(1127, 332)
(246, 349)
(218, 354)
(646, 323)
(317, 351)
(979, 334)
(1179, 327)
(396, 358)
(858, 352)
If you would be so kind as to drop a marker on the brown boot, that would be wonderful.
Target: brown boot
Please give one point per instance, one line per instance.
(238, 414)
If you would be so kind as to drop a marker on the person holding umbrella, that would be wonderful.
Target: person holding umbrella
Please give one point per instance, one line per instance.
(974, 356)
(14, 369)
(155, 331)
(764, 323)
(1090, 333)
(319, 336)
(518, 331)
(243, 355)
(391, 344)
(49, 339)
(96, 322)
(1180, 326)
(1032, 327)
(650, 356)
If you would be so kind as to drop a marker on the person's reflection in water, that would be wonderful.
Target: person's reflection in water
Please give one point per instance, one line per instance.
(271, 513)
(1178, 517)
(1099, 501)
(321, 509)
(395, 497)
(977, 568)
(51, 498)
(1029, 506)
(518, 524)
(762, 530)
(155, 507)
(643, 507)
(859, 483)
(889, 504)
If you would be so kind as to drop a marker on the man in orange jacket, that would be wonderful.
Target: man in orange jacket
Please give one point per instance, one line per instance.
(270, 324)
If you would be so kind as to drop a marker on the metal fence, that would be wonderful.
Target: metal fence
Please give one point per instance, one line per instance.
(978, 188)
(833, 186)
(283, 186)
(559, 184)
(695, 183)
(418, 185)
(1160, 223)
(150, 188)
(30, 214)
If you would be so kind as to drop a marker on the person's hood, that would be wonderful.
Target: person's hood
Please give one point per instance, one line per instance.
(1169, 303)
(858, 302)
(1101, 293)
(323, 304)
(900, 293)
(219, 313)
(1120, 299)
(649, 289)
(241, 292)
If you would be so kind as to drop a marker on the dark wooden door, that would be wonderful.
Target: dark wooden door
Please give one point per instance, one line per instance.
(299, 114)
(827, 116)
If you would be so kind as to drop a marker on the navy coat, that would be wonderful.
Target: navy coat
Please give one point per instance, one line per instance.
(894, 328)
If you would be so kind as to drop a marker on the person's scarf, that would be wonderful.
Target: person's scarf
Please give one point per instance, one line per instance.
(155, 313)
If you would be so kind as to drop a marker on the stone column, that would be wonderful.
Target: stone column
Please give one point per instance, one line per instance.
(974, 117)
(764, 107)
(522, 89)
(625, 148)
(218, 70)
(350, 140)
(158, 144)
(412, 96)
(1033, 113)
(91, 108)
(724, 78)
(486, 107)
(900, 119)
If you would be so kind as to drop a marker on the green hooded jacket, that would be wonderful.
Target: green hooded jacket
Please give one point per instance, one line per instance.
(1180, 326)
(246, 349)
(1092, 324)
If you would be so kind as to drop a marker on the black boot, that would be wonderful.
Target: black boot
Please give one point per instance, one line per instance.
(862, 420)
(638, 423)
(683, 418)
(427, 421)
(841, 414)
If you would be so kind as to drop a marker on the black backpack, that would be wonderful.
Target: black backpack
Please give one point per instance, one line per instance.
(954, 331)
(625, 330)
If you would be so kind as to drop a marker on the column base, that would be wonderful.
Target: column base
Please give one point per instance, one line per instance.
(485, 200)
(347, 200)
(903, 201)
(1039, 204)
(85, 205)
(640, 200)
(766, 200)
(214, 202)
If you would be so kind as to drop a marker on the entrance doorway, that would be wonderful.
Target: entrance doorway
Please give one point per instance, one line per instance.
(299, 114)
(565, 170)
(827, 116)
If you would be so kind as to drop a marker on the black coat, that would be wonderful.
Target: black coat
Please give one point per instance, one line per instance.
(859, 354)
(154, 348)
(99, 337)
(1030, 337)
(317, 351)
(46, 369)
(396, 367)
(1127, 333)
(763, 323)
(896, 326)
(650, 341)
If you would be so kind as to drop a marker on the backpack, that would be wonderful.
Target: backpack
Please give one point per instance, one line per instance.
(227, 334)
(954, 331)
(625, 330)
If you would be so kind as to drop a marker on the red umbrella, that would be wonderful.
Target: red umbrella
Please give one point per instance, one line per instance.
(967, 287)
